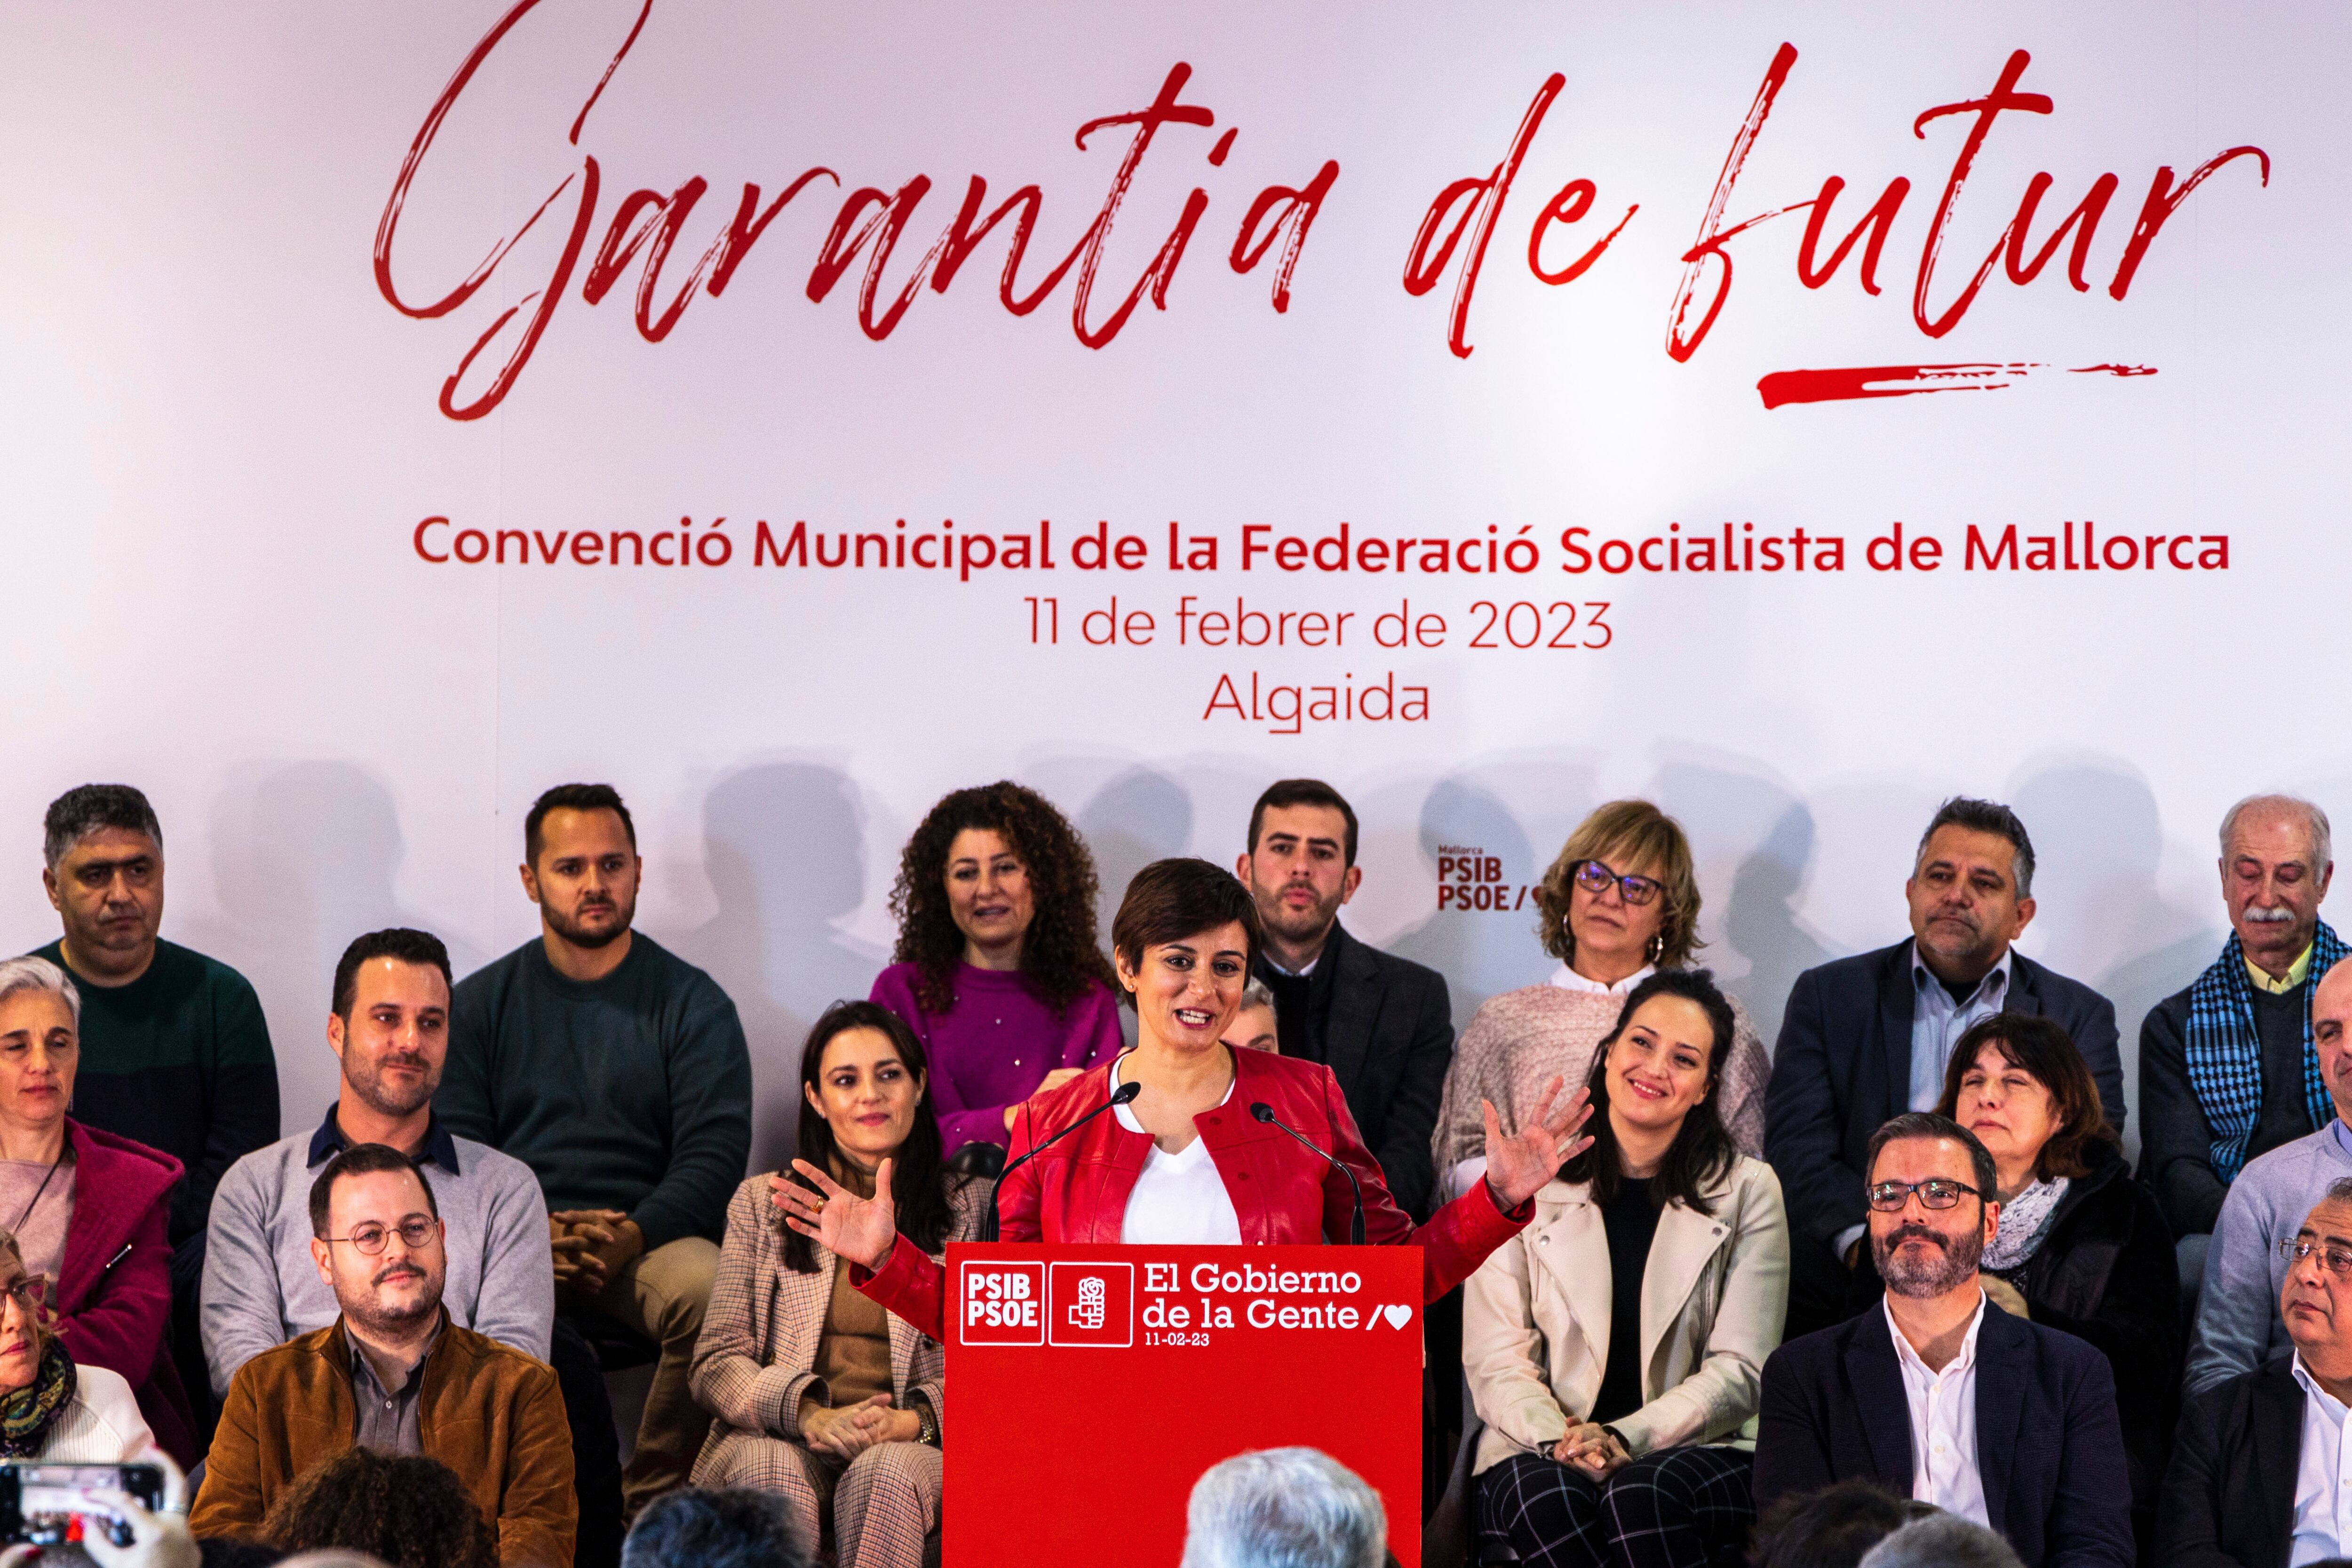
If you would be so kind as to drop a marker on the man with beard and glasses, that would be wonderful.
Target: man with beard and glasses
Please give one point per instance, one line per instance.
(1868, 1036)
(1382, 1024)
(2227, 1071)
(393, 1372)
(1985, 1416)
(2238, 1323)
(618, 1073)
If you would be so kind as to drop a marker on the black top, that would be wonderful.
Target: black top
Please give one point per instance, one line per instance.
(1631, 1220)
(2278, 1024)
(1297, 1021)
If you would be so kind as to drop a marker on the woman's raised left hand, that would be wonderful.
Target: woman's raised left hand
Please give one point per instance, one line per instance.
(1520, 1164)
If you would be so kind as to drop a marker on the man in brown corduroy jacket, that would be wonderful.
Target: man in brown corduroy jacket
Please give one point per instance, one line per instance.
(395, 1373)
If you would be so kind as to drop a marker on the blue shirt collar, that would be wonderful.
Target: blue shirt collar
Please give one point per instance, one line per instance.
(2343, 1136)
(440, 1148)
(1923, 977)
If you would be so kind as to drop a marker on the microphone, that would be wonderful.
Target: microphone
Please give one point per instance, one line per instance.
(1264, 1112)
(1124, 1094)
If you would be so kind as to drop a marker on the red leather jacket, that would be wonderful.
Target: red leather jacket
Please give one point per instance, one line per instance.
(1077, 1190)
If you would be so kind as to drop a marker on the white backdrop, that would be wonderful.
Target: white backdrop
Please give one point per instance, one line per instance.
(221, 438)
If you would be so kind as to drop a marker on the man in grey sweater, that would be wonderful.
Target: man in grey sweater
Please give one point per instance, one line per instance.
(390, 1026)
(2238, 1324)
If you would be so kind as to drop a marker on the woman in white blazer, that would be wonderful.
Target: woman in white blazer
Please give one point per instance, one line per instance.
(1615, 1347)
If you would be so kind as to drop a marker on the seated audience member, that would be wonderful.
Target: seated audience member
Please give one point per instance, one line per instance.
(2081, 1247)
(2226, 1071)
(734, 1528)
(2256, 1478)
(403, 1509)
(815, 1391)
(1615, 1436)
(996, 969)
(51, 1409)
(1619, 904)
(1284, 1507)
(2238, 1324)
(1945, 1541)
(1868, 1036)
(618, 1073)
(174, 1051)
(89, 1209)
(388, 1025)
(1382, 1024)
(389, 1028)
(1257, 1027)
(394, 1373)
(1833, 1528)
(1987, 1416)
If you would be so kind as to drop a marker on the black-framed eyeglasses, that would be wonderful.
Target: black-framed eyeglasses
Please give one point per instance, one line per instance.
(1935, 1193)
(416, 1231)
(1594, 877)
(2337, 1261)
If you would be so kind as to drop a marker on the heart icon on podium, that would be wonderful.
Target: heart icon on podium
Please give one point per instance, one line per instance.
(1397, 1317)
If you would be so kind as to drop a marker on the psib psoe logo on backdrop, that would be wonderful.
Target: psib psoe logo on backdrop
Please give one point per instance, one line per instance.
(1470, 879)
(1003, 1304)
(1091, 1304)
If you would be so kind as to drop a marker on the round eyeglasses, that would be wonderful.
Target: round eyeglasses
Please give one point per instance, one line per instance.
(416, 1231)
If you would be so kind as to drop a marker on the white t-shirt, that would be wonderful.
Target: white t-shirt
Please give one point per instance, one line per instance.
(1180, 1199)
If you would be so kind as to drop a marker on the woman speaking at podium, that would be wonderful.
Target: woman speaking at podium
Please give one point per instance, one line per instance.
(1183, 1140)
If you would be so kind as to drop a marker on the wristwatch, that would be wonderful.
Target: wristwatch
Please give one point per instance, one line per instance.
(926, 1424)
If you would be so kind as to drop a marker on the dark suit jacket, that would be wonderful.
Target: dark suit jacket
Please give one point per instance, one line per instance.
(2049, 1449)
(2229, 1498)
(1843, 1067)
(1388, 1038)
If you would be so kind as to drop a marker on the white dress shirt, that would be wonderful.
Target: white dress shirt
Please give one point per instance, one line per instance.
(2323, 1487)
(1180, 1199)
(1567, 979)
(1944, 1424)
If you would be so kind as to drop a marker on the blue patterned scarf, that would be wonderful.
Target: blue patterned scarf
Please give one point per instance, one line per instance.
(2225, 1057)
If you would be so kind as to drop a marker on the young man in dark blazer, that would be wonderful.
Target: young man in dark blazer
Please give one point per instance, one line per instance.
(1383, 1025)
(2243, 1491)
(1940, 1395)
(1867, 1037)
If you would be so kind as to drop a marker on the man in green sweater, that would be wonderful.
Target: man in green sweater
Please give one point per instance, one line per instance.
(618, 1073)
(176, 1053)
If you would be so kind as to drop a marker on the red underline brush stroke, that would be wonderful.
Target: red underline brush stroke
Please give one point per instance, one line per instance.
(1851, 382)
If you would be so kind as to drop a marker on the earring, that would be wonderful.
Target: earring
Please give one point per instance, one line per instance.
(1657, 947)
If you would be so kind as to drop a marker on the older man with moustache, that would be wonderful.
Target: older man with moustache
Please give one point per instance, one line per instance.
(2258, 1475)
(2238, 1322)
(2227, 1068)
(1990, 1417)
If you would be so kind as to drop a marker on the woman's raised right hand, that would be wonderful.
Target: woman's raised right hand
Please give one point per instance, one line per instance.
(862, 1230)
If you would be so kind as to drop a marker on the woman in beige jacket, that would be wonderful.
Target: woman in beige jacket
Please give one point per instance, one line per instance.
(1615, 1348)
(815, 1392)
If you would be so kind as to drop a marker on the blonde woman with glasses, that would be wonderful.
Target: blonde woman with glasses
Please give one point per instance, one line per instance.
(1620, 902)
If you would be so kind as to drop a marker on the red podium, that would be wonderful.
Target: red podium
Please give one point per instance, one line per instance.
(1089, 1386)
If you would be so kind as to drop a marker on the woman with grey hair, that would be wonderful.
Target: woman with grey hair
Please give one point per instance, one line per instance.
(1284, 1507)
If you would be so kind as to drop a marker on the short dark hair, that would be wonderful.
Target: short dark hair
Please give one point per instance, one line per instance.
(2042, 1046)
(690, 1528)
(90, 808)
(364, 1160)
(1831, 1528)
(1302, 792)
(572, 797)
(405, 1510)
(1914, 1124)
(1180, 897)
(1984, 816)
(421, 948)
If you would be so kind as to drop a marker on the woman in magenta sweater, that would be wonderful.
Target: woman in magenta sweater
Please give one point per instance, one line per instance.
(996, 969)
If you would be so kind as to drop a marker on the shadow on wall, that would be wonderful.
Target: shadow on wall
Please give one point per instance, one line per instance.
(784, 850)
(304, 858)
(1471, 948)
(1139, 816)
(2100, 917)
(1728, 812)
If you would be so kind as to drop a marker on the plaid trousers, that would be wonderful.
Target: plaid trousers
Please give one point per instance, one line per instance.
(1677, 1507)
